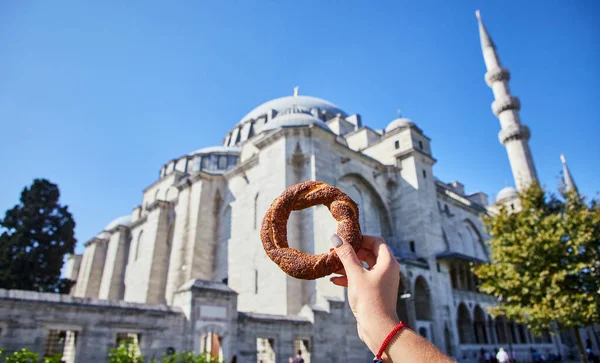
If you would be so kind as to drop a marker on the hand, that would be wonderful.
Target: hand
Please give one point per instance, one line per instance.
(372, 293)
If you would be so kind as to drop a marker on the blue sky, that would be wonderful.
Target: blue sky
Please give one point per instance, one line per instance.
(96, 96)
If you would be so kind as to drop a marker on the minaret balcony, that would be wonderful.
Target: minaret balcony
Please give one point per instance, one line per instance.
(506, 103)
(497, 74)
(515, 132)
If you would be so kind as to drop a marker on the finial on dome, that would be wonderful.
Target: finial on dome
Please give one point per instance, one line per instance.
(399, 113)
(296, 90)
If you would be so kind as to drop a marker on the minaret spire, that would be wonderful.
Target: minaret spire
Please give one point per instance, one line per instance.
(514, 135)
(567, 177)
(486, 41)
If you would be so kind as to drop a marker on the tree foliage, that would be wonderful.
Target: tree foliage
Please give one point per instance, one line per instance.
(128, 352)
(35, 237)
(546, 261)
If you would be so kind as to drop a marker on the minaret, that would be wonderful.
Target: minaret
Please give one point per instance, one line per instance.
(514, 135)
(567, 177)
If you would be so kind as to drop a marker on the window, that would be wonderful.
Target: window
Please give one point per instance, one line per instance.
(61, 342)
(302, 347)
(424, 174)
(412, 246)
(420, 144)
(138, 246)
(210, 343)
(439, 269)
(222, 162)
(131, 341)
(255, 210)
(205, 162)
(397, 144)
(265, 350)
(256, 281)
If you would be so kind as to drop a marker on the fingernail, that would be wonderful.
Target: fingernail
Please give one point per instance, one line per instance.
(336, 241)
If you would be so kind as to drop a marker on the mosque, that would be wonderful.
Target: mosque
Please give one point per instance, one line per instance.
(186, 270)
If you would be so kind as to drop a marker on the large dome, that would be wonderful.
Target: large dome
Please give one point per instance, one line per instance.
(295, 119)
(290, 102)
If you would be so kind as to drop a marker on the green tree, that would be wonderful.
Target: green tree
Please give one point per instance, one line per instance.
(35, 237)
(546, 262)
(20, 356)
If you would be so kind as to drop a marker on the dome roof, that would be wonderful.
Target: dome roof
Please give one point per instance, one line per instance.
(507, 193)
(121, 221)
(399, 122)
(290, 102)
(295, 119)
(217, 149)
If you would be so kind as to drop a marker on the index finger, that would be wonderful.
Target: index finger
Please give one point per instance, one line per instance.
(378, 246)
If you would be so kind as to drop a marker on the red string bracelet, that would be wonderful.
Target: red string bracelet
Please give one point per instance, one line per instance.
(387, 341)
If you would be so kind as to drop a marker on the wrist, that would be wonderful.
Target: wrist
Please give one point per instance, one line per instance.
(376, 332)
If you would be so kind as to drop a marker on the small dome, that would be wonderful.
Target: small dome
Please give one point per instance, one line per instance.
(399, 123)
(282, 103)
(507, 193)
(217, 149)
(295, 119)
(121, 221)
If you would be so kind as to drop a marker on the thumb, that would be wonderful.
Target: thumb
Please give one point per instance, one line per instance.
(347, 255)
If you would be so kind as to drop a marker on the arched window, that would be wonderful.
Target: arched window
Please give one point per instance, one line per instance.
(465, 326)
(422, 299)
(492, 331)
(221, 248)
(138, 246)
(403, 296)
(373, 216)
(256, 211)
(170, 228)
(205, 162)
(501, 334)
(479, 326)
(222, 162)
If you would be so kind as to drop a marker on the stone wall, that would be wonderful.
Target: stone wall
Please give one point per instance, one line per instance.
(28, 317)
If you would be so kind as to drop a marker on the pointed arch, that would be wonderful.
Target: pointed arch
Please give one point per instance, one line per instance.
(374, 214)
(422, 299)
(464, 324)
(403, 295)
(479, 326)
(479, 241)
(221, 263)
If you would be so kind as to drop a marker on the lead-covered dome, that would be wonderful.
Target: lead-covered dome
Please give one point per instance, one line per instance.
(400, 122)
(294, 118)
(507, 193)
(289, 102)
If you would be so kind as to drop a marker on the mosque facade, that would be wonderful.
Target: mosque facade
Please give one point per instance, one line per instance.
(186, 270)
